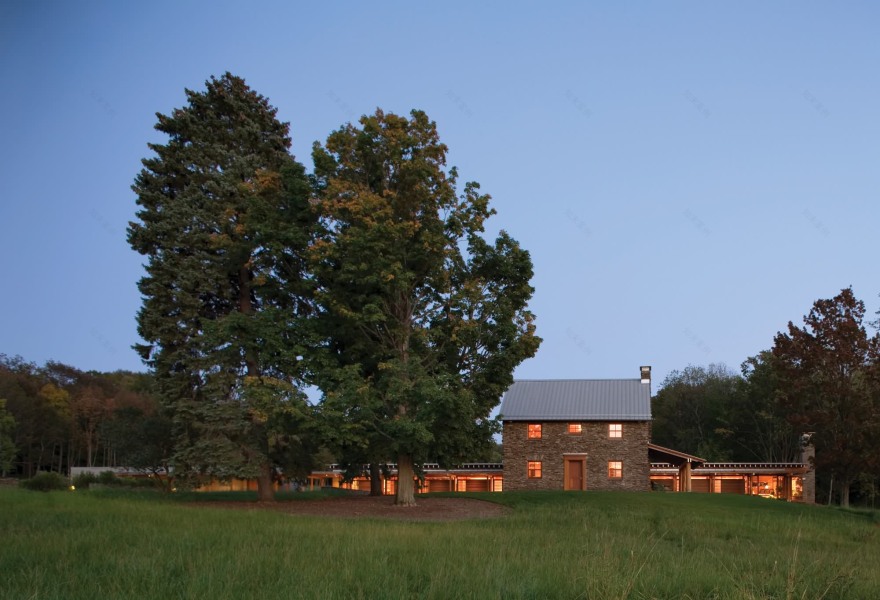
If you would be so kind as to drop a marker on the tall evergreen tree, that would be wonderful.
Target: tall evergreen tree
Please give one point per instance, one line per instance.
(224, 221)
(829, 367)
(424, 321)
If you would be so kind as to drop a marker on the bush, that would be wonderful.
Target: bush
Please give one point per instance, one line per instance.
(108, 478)
(150, 482)
(139, 482)
(84, 480)
(105, 479)
(45, 482)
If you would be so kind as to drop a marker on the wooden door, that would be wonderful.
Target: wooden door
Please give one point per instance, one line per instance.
(574, 474)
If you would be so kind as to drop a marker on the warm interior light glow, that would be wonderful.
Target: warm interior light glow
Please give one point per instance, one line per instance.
(615, 430)
(575, 428)
(534, 431)
(534, 467)
(615, 469)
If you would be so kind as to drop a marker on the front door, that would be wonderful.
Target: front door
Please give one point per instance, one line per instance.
(574, 474)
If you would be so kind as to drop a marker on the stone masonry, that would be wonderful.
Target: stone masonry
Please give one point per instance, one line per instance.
(594, 442)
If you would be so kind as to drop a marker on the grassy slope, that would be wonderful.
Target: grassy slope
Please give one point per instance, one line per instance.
(594, 545)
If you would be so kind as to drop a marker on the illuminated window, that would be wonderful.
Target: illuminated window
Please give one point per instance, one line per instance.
(615, 469)
(534, 431)
(575, 428)
(615, 430)
(534, 469)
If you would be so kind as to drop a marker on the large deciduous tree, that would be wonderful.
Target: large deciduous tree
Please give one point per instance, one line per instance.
(830, 369)
(224, 219)
(423, 319)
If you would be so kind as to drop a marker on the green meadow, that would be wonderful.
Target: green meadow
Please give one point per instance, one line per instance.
(112, 544)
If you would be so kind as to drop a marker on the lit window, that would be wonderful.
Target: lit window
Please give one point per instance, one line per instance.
(534, 431)
(534, 469)
(615, 430)
(615, 469)
(575, 428)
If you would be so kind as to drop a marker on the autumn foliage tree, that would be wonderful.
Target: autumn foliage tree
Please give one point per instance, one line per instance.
(830, 370)
(422, 320)
(223, 223)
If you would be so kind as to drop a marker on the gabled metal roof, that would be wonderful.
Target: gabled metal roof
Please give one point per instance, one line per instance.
(577, 400)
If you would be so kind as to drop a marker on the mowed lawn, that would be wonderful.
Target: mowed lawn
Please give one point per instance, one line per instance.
(553, 545)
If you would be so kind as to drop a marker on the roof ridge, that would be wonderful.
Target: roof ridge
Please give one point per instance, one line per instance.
(584, 379)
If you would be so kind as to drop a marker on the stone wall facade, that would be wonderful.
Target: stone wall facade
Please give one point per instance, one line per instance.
(808, 455)
(593, 443)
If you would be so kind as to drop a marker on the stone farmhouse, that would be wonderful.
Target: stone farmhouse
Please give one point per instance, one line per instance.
(577, 434)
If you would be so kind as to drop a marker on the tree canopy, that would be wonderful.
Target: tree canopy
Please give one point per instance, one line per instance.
(831, 374)
(422, 319)
(690, 408)
(721, 415)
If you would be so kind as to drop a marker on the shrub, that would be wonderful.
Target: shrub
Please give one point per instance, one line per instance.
(84, 480)
(45, 482)
(108, 478)
(139, 482)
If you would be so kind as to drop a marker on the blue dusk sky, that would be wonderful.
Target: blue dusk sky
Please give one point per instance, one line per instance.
(687, 176)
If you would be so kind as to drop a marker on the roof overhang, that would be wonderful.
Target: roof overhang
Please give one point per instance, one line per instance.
(662, 454)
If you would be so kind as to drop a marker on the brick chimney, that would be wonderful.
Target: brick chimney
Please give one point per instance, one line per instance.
(646, 374)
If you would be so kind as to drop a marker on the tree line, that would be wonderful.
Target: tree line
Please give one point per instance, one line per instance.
(56, 416)
(820, 381)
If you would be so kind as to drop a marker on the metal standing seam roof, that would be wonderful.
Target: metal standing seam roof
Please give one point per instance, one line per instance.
(577, 400)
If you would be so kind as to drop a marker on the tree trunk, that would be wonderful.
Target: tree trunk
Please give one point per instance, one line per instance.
(265, 492)
(406, 489)
(90, 461)
(844, 493)
(375, 479)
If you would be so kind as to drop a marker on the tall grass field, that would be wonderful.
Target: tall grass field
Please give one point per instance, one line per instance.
(70, 545)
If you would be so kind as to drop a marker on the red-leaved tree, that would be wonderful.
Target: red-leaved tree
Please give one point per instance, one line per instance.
(830, 373)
